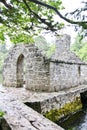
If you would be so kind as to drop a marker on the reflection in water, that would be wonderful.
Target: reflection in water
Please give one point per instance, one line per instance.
(76, 122)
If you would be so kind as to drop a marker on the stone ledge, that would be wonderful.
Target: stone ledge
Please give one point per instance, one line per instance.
(44, 102)
(20, 117)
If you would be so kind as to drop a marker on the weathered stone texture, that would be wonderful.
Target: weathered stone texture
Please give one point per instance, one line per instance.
(83, 74)
(17, 115)
(36, 73)
(66, 69)
(64, 76)
(62, 71)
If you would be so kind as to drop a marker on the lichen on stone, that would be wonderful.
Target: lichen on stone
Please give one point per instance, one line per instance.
(67, 109)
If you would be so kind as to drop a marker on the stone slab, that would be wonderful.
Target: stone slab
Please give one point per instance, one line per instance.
(19, 116)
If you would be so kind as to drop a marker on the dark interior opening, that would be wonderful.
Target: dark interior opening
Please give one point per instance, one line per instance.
(79, 70)
(84, 99)
(21, 71)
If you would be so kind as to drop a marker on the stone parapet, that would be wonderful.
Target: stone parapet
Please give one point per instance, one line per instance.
(16, 111)
(18, 116)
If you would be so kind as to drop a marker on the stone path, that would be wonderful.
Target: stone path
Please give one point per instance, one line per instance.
(19, 116)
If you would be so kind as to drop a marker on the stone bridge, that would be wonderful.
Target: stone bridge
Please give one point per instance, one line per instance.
(19, 116)
(30, 78)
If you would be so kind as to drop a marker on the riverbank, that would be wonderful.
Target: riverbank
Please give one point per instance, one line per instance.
(77, 121)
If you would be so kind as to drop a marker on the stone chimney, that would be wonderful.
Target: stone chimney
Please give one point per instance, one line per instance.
(62, 44)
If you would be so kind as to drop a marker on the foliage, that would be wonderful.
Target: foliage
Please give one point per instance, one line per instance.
(83, 52)
(1, 114)
(46, 48)
(21, 19)
(80, 47)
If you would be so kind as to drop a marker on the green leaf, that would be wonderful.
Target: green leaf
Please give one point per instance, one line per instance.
(1, 114)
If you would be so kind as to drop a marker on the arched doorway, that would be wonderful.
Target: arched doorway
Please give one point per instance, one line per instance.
(21, 71)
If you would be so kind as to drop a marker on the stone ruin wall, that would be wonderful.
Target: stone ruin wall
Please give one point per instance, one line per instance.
(37, 71)
(66, 69)
(64, 76)
(83, 74)
(42, 75)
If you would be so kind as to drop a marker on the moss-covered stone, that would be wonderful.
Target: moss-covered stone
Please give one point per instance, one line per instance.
(66, 110)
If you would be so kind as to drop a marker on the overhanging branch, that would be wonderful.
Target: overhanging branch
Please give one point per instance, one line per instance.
(6, 4)
(58, 13)
(49, 25)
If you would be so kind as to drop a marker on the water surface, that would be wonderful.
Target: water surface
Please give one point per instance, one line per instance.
(77, 121)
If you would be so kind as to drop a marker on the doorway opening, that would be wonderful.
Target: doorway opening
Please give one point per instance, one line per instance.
(21, 71)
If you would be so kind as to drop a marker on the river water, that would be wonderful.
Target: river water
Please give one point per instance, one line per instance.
(77, 121)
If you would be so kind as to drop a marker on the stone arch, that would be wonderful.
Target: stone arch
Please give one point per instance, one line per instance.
(37, 70)
(20, 70)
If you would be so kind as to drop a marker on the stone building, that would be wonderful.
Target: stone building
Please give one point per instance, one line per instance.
(26, 64)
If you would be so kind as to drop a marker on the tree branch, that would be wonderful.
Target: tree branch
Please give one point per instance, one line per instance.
(58, 13)
(6, 4)
(49, 25)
